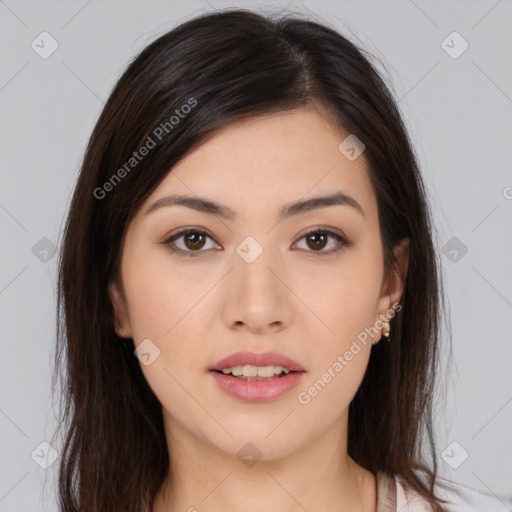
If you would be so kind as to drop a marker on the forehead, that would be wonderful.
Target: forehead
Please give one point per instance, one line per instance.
(270, 159)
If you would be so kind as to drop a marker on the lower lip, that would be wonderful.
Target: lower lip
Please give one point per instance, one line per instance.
(257, 390)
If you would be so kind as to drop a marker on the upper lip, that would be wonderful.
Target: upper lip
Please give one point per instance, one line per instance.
(246, 357)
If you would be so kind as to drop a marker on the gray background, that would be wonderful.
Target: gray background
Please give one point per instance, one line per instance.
(458, 112)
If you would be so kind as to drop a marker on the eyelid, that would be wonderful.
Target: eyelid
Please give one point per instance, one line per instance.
(331, 232)
(183, 231)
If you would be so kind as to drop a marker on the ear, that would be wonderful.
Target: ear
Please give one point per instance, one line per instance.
(393, 285)
(121, 318)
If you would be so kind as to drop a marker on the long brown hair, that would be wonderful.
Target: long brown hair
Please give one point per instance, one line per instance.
(225, 66)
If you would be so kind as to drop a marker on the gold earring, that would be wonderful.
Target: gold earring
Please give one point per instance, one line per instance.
(385, 329)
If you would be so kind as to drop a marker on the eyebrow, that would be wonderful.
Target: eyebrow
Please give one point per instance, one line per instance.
(213, 208)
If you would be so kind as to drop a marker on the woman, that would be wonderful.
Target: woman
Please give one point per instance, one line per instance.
(249, 293)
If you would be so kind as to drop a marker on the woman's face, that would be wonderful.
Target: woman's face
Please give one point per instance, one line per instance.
(255, 282)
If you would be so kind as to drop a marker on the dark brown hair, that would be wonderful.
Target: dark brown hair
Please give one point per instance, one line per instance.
(231, 65)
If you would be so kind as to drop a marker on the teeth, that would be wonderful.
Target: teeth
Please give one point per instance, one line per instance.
(255, 371)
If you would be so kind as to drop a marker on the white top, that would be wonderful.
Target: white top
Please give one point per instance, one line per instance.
(393, 495)
(408, 500)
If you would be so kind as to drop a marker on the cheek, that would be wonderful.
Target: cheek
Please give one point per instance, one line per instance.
(167, 306)
(162, 296)
(345, 296)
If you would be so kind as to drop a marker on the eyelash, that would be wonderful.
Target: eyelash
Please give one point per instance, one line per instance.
(343, 243)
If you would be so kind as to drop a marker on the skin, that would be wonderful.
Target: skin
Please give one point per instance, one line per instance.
(199, 309)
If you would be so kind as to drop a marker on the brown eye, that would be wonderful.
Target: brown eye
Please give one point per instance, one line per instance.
(192, 241)
(318, 239)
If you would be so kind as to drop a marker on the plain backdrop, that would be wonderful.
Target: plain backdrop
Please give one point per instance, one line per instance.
(450, 66)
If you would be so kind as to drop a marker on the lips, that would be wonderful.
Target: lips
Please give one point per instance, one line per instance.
(251, 391)
(246, 357)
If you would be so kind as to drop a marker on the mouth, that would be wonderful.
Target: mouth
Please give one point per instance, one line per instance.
(257, 377)
(250, 386)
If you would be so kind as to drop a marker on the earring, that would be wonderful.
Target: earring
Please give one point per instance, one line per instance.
(385, 329)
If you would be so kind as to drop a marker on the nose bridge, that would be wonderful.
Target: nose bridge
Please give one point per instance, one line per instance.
(257, 297)
(252, 267)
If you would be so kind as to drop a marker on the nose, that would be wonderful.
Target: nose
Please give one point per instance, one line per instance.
(257, 298)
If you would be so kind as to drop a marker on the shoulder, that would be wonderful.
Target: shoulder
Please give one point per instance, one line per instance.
(458, 497)
(408, 500)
